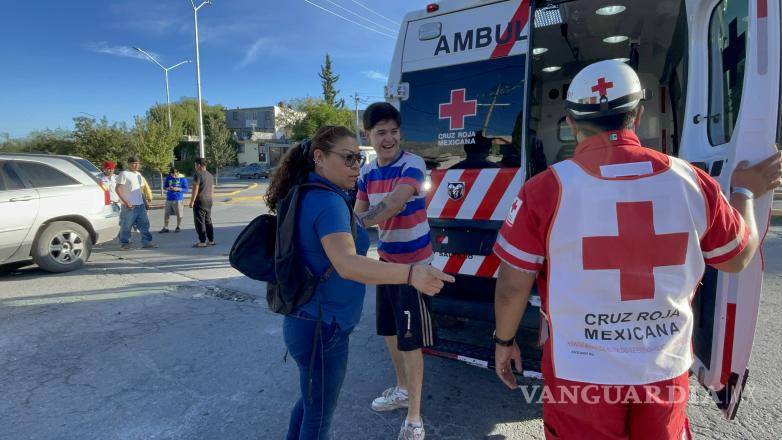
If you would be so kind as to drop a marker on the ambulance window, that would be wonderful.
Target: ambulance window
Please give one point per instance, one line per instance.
(727, 57)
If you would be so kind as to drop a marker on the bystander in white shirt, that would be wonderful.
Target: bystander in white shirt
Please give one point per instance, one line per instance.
(132, 181)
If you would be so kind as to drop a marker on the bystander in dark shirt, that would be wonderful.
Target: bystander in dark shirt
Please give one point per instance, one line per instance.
(206, 183)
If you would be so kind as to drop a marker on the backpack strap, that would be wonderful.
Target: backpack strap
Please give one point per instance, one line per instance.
(315, 340)
(329, 271)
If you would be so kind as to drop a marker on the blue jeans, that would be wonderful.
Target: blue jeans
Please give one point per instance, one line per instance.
(134, 216)
(311, 419)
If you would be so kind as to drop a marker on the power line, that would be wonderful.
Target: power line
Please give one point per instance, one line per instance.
(375, 12)
(362, 17)
(351, 21)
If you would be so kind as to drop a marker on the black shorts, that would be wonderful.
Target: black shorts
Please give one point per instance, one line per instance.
(403, 312)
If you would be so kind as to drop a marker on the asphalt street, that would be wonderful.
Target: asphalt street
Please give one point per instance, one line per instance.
(174, 344)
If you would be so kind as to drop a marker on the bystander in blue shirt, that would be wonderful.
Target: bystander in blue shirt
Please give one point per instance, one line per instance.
(172, 182)
(322, 212)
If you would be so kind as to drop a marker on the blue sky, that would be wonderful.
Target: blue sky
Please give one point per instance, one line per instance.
(60, 58)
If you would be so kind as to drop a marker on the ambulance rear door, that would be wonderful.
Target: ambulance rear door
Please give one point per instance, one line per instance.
(731, 115)
(461, 92)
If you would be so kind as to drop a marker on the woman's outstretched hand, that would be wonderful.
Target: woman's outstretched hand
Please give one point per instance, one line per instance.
(429, 280)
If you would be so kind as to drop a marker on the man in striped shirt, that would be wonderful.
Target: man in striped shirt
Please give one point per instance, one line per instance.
(390, 196)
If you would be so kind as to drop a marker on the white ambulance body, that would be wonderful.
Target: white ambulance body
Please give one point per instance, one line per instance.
(480, 86)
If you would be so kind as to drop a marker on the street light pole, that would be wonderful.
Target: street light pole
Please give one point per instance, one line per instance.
(201, 149)
(165, 73)
(358, 123)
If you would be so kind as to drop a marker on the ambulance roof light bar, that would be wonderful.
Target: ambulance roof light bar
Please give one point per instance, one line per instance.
(432, 7)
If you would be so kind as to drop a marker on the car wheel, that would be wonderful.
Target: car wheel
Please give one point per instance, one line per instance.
(62, 247)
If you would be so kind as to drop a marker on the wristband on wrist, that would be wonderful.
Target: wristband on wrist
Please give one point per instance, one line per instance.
(410, 275)
(503, 342)
(743, 191)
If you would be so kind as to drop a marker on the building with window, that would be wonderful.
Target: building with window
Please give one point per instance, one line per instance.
(260, 122)
(257, 131)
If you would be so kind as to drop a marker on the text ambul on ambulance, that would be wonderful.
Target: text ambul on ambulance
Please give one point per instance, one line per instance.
(481, 85)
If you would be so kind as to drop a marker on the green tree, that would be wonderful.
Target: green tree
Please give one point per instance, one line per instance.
(52, 141)
(306, 116)
(328, 80)
(98, 141)
(45, 141)
(220, 147)
(154, 143)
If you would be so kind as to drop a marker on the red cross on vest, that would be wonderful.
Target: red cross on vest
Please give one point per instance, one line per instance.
(636, 251)
(458, 109)
(602, 86)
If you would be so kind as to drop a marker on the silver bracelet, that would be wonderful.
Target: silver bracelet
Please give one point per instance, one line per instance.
(743, 191)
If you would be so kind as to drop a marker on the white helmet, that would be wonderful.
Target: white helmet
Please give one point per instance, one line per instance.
(604, 88)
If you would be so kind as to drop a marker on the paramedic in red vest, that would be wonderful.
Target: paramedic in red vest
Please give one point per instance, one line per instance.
(617, 238)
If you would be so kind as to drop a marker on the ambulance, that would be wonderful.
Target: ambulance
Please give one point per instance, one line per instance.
(481, 86)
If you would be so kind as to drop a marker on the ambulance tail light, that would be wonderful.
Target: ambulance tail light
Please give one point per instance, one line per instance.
(432, 7)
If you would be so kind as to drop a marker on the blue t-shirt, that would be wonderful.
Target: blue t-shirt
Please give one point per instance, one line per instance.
(175, 182)
(322, 212)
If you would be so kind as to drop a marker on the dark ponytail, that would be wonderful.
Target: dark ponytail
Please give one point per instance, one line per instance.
(298, 162)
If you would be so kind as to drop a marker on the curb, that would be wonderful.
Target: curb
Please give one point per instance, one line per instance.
(243, 199)
(233, 193)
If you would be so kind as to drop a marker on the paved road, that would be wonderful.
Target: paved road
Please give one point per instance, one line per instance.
(172, 344)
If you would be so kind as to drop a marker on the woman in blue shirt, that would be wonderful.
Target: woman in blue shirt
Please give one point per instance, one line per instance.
(324, 239)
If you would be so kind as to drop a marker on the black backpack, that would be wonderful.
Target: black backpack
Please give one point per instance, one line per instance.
(266, 251)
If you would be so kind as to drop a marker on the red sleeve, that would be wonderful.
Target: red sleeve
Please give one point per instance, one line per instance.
(361, 195)
(726, 234)
(521, 242)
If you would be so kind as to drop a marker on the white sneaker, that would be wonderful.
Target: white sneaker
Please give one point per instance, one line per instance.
(410, 432)
(391, 399)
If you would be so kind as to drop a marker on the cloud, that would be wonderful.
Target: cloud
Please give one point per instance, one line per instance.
(375, 75)
(262, 46)
(252, 52)
(120, 51)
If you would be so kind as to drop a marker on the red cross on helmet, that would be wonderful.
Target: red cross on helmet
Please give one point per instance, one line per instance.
(604, 88)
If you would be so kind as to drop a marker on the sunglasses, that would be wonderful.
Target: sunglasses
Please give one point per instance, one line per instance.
(351, 159)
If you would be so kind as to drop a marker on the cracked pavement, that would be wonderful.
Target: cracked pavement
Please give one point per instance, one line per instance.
(169, 344)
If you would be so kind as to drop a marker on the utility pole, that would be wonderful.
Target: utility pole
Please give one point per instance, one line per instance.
(165, 71)
(201, 148)
(356, 99)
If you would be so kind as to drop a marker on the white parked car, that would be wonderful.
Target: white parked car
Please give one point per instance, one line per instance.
(53, 209)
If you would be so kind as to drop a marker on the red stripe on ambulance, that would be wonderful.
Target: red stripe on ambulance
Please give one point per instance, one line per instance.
(452, 206)
(522, 17)
(485, 266)
(487, 193)
(494, 194)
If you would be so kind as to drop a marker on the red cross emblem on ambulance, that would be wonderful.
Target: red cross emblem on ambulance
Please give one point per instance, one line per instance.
(458, 109)
(636, 251)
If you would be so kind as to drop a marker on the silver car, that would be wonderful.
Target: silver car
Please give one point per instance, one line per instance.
(53, 209)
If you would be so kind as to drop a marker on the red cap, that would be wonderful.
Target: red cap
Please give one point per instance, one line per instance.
(109, 165)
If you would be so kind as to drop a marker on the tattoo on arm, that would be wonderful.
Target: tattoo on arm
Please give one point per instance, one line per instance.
(369, 217)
